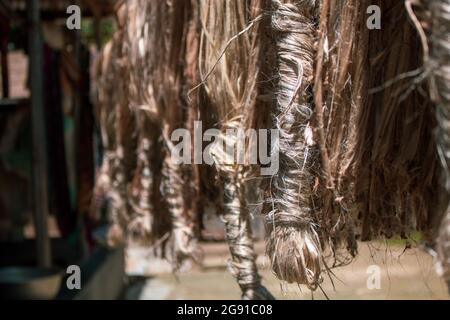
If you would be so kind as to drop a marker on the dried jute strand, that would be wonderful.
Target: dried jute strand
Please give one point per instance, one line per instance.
(239, 238)
(118, 212)
(141, 222)
(228, 66)
(142, 101)
(293, 244)
(117, 132)
(440, 87)
(184, 239)
(237, 220)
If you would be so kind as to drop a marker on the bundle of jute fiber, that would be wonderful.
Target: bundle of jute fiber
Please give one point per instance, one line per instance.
(355, 162)
(349, 103)
(401, 181)
(147, 223)
(378, 171)
(293, 243)
(434, 29)
(339, 94)
(157, 50)
(125, 129)
(193, 200)
(440, 54)
(229, 71)
(117, 124)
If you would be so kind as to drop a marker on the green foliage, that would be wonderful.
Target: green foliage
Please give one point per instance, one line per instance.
(107, 28)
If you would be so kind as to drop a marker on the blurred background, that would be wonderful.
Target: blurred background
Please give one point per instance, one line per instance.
(50, 152)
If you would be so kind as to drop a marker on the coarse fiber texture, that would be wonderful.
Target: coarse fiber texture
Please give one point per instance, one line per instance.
(352, 106)
(117, 124)
(157, 33)
(439, 64)
(355, 124)
(229, 71)
(293, 243)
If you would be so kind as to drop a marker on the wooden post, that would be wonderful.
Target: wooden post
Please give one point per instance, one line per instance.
(4, 32)
(4, 61)
(40, 190)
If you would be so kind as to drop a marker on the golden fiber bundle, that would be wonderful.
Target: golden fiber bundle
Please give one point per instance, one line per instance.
(293, 242)
(229, 68)
(150, 221)
(157, 33)
(437, 67)
(371, 170)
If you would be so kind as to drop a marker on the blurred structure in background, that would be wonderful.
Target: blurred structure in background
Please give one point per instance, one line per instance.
(48, 144)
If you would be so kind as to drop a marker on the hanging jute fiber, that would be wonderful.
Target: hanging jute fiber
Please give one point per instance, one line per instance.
(432, 20)
(355, 108)
(117, 124)
(293, 243)
(229, 72)
(157, 50)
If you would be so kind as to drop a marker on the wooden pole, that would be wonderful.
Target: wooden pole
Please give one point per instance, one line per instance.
(4, 62)
(4, 32)
(40, 183)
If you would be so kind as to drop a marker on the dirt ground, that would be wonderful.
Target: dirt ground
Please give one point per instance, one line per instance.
(406, 275)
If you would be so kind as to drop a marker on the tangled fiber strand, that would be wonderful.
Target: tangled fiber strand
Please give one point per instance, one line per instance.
(443, 244)
(139, 37)
(156, 50)
(117, 123)
(378, 169)
(141, 224)
(172, 106)
(293, 243)
(125, 129)
(192, 173)
(184, 240)
(239, 238)
(142, 101)
(230, 86)
(339, 91)
(125, 158)
(401, 177)
(440, 88)
(105, 118)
